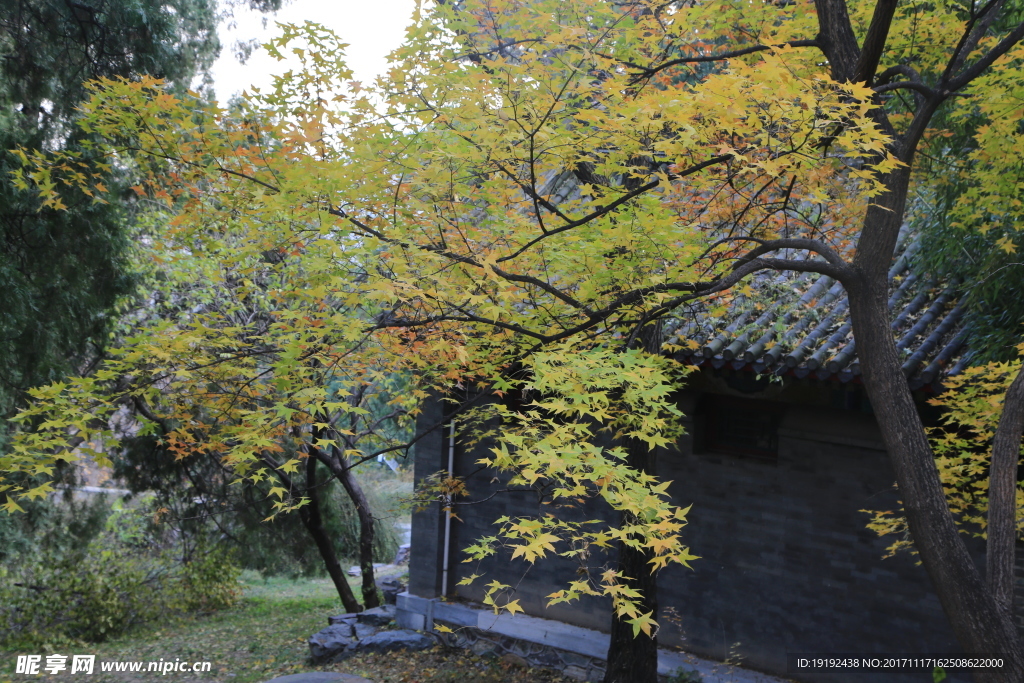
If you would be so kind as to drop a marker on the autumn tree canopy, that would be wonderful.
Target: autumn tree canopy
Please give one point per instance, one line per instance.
(530, 186)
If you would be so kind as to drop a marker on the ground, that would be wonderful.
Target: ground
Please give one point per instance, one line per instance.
(265, 637)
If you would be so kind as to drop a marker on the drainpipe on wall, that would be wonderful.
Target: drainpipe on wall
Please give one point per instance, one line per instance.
(447, 515)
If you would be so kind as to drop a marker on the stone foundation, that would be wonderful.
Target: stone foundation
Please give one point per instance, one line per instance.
(527, 641)
(526, 654)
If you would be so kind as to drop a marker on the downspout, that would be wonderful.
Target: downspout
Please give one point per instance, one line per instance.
(448, 516)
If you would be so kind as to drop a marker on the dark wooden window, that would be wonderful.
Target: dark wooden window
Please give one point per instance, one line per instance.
(739, 426)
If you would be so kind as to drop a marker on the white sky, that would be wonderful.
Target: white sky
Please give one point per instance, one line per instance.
(373, 28)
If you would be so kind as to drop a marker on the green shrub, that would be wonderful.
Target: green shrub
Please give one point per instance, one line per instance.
(201, 502)
(342, 520)
(210, 581)
(90, 596)
(119, 581)
(53, 524)
(282, 547)
(134, 525)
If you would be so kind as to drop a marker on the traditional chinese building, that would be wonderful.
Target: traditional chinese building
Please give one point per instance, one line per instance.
(780, 459)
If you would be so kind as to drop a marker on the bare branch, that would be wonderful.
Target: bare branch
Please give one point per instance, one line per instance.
(805, 244)
(906, 85)
(597, 213)
(899, 69)
(478, 56)
(972, 35)
(649, 71)
(985, 62)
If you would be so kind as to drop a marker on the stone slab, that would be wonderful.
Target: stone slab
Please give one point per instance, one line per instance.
(378, 616)
(549, 632)
(391, 641)
(364, 630)
(710, 672)
(456, 614)
(330, 641)
(410, 620)
(342, 618)
(320, 677)
(413, 603)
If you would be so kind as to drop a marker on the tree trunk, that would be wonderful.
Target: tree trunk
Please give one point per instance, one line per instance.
(1002, 496)
(355, 492)
(980, 626)
(339, 467)
(310, 516)
(634, 659)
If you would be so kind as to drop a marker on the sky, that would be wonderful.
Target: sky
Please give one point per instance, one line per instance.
(372, 29)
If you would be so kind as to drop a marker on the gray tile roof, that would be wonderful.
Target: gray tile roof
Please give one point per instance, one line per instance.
(806, 331)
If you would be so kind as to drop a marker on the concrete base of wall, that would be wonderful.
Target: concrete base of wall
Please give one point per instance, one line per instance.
(577, 652)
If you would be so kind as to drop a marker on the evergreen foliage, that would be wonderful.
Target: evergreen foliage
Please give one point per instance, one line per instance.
(62, 272)
(958, 250)
(199, 497)
(66, 526)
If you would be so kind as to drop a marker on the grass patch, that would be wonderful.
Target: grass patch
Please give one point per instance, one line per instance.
(437, 666)
(264, 637)
(265, 634)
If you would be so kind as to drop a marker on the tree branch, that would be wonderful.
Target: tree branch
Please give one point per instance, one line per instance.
(801, 243)
(971, 37)
(985, 62)
(476, 57)
(899, 69)
(874, 41)
(649, 71)
(836, 38)
(597, 213)
(905, 85)
(544, 286)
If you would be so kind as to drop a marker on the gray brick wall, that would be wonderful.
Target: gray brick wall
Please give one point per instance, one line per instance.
(532, 583)
(786, 565)
(425, 555)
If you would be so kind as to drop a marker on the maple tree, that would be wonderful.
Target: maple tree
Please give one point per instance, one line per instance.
(532, 186)
(212, 364)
